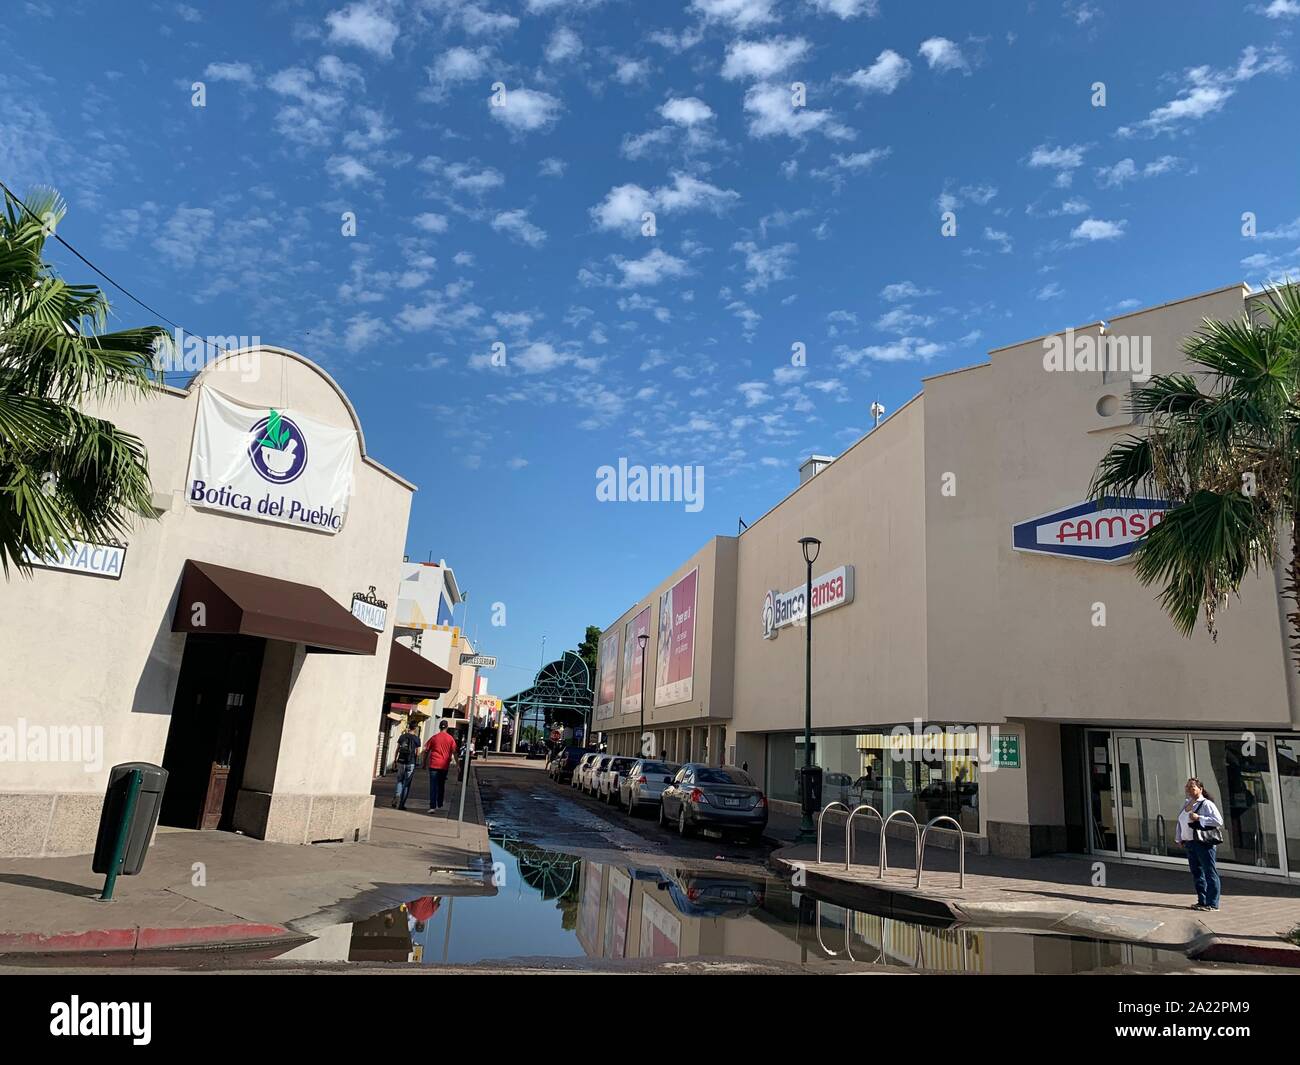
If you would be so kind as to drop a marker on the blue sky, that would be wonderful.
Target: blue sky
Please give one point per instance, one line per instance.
(520, 224)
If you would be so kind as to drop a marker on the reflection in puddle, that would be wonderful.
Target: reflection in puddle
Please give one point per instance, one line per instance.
(553, 905)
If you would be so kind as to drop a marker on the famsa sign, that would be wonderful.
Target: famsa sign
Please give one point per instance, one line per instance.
(1102, 531)
(276, 465)
(829, 591)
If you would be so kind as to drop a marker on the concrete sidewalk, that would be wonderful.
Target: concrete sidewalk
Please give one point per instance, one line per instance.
(204, 889)
(1136, 903)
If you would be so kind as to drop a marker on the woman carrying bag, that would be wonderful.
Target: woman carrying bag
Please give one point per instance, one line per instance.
(1200, 831)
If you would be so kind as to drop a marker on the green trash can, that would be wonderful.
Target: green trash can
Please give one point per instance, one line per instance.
(132, 802)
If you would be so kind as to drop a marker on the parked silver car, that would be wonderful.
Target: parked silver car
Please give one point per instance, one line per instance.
(644, 784)
(722, 798)
(609, 778)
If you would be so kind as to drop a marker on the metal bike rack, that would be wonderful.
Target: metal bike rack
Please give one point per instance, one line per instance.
(920, 858)
(848, 831)
(819, 826)
(820, 942)
(884, 857)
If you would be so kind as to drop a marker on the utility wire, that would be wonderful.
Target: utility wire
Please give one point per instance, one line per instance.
(120, 287)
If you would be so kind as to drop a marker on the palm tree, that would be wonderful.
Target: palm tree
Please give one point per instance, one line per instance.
(64, 474)
(1222, 445)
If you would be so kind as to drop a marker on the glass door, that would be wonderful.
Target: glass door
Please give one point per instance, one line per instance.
(1103, 830)
(1152, 771)
(1237, 777)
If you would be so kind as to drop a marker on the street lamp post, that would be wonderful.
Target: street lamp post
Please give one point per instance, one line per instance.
(807, 831)
(643, 638)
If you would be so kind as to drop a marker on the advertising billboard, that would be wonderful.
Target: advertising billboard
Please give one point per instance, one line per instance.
(634, 661)
(607, 674)
(675, 672)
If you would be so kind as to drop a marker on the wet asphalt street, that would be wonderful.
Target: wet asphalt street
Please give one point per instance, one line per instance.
(521, 802)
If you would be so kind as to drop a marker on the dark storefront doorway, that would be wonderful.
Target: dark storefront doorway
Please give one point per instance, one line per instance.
(212, 717)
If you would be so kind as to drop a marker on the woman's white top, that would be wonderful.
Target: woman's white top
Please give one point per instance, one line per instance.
(1209, 818)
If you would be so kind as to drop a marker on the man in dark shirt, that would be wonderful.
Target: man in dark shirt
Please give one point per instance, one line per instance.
(408, 753)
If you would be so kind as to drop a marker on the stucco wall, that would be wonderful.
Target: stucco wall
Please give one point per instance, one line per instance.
(85, 651)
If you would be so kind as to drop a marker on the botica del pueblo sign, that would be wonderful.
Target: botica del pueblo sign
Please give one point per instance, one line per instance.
(830, 590)
(270, 464)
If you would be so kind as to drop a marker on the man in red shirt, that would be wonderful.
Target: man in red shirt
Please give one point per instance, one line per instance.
(440, 750)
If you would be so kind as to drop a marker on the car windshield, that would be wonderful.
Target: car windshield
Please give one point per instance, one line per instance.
(705, 775)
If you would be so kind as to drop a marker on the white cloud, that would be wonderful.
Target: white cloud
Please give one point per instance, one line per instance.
(184, 235)
(1056, 157)
(348, 169)
(942, 54)
(1050, 291)
(772, 113)
(760, 60)
(515, 224)
(765, 265)
(740, 14)
(884, 75)
(999, 237)
(365, 25)
(459, 64)
(901, 320)
(1126, 170)
(1098, 229)
(903, 290)
(362, 330)
(629, 71)
(526, 110)
(686, 111)
(1281, 9)
(657, 265)
(430, 222)
(904, 349)
(1205, 91)
(755, 393)
(517, 463)
(847, 8)
(564, 44)
(551, 167)
(623, 205)
(240, 73)
(464, 177)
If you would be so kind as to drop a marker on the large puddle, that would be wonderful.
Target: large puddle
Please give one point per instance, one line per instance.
(556, 906)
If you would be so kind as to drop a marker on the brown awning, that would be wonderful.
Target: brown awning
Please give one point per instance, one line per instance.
(409, 674)
(252, 604)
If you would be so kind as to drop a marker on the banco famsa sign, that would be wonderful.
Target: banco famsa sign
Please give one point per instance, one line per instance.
(829, 591)
(1101, 531)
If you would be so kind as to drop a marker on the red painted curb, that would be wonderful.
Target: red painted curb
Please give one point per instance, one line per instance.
(133, 939)
(62, 942)
(207, 935)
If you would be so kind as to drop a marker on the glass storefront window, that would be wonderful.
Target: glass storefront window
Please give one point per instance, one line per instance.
(1288, 779)
(861, 768)
(1239, 783)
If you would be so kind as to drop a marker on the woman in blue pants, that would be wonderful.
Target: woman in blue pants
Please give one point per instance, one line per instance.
(1200, 831)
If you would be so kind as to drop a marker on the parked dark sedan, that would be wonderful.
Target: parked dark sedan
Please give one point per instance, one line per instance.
(718, 797)
(563, 763)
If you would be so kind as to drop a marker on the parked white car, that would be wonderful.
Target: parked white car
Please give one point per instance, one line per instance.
(582, 772)
(644, 784)
(611, 776)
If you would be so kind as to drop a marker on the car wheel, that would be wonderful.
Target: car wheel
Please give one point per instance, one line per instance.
(683, 828)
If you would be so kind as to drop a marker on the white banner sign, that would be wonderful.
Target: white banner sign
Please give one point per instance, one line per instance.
(786, 608)
(275, 465)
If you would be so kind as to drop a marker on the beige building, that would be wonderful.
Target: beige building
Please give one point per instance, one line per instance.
(966, 585)
(223, 641)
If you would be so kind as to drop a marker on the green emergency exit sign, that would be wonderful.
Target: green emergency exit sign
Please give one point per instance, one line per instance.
(1006, 753)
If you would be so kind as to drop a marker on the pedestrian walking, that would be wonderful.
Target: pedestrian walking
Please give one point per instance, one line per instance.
(408, 753)
(1200, 831)
(440, 750)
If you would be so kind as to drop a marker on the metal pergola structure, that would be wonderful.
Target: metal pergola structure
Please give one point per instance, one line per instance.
(564, 684)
